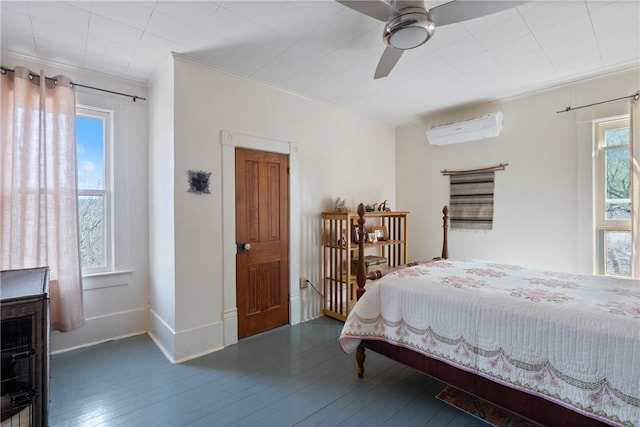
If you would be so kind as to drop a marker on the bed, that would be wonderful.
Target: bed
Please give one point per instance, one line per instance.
(559, 349)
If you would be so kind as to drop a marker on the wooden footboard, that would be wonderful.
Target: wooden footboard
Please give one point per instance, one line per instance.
(527, 405)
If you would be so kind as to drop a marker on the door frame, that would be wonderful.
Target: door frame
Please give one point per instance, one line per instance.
(229, 140)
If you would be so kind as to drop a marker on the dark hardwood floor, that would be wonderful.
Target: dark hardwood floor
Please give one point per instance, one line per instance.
(290, 376)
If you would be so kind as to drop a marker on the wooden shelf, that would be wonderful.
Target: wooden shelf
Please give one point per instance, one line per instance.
(339, 249)
(378, 244)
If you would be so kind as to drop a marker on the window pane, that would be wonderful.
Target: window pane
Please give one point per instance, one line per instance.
(618, 252)
(616, 137)
(618, 184)
(90, 148)
(92, 231)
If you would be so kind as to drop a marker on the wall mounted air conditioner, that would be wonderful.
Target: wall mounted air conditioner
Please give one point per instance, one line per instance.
(487, 126)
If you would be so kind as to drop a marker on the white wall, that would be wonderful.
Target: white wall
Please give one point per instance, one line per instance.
(115, 305)
(543, 200)
(339, 153)
(162, 316)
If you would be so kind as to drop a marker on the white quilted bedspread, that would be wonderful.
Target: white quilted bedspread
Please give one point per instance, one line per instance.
(572, 339)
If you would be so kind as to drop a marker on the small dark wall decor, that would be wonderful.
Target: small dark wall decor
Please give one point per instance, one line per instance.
(199, 182)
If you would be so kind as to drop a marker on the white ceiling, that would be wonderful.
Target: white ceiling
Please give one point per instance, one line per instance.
(326, 51)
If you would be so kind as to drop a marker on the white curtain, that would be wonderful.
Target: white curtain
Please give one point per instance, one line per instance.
(38, 187)
(635, 187)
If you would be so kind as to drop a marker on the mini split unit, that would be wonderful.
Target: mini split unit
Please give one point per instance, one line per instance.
(487, 126)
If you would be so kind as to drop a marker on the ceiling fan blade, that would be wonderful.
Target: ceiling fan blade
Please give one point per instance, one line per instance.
(388, 60)
(458, 11)
(376, 9)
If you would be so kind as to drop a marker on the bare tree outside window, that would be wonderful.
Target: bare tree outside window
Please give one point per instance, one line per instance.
(618, 244)
(618, 175)
(615, 221)
(92, 192)
(92, 232)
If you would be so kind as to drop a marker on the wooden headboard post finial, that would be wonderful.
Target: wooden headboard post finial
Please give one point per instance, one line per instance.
(445, 227)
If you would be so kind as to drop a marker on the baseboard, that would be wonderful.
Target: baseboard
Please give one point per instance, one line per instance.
(100, 329)
(310, 304)
(162, 335)
(184, 345)
(230, 319)
(294, 309)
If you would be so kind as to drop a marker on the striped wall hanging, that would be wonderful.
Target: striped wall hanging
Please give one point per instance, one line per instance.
(471, 198)
(471, 201)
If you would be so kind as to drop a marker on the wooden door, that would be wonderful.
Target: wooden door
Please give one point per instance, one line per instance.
(262, 236)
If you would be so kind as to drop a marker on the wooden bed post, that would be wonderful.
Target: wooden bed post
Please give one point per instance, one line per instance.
(360, 356)
(361, 279)
(445, 227)
(361, 269)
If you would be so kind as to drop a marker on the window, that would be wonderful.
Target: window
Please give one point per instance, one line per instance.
(613, 196)
(93, 142)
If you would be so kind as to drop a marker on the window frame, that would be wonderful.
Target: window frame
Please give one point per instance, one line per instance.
(603, 225)
(107, 192)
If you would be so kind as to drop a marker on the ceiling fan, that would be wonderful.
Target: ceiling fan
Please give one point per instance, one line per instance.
(408, 24)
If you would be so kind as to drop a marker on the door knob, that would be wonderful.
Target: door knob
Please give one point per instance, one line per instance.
(246, 246)
(243, 248)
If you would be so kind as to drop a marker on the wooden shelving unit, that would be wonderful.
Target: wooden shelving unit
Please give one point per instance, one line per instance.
(340, 249)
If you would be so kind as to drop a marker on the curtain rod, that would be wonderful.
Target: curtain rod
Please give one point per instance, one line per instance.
(31, 75)
(500, 167)
(635, 96)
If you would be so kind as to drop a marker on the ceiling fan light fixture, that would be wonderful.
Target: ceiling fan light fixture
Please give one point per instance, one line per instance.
(408, 30)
